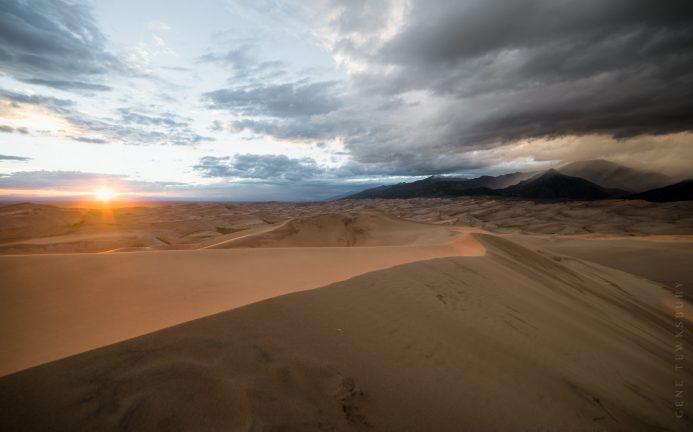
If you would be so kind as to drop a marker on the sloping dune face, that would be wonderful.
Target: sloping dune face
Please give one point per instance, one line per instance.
(346, 230)
(513, 340)
(62, 304)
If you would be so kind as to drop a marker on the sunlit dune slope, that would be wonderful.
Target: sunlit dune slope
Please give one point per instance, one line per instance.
(513, 340)
(34, 228)
(59, 305)
(38, 229)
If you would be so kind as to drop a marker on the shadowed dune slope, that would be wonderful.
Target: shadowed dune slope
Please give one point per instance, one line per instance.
(666, 260)
(508, 341)
(345, 230)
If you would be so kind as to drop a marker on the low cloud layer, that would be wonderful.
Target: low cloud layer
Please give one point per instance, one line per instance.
(10, 129)
(81, 181)
(14, 158)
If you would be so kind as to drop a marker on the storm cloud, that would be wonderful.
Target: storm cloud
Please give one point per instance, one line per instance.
(541, 68)
(451, 78)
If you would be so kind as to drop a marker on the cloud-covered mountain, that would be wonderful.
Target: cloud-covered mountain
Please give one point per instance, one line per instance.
(587, 183)
(437, 186)
(612, 175)
(553, 185)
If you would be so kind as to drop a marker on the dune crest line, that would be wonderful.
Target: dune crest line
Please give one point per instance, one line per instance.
(63, 304)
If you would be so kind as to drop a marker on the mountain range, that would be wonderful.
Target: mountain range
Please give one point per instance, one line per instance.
(582, 180)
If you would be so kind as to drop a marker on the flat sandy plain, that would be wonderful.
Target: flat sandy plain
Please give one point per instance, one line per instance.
(470, 314)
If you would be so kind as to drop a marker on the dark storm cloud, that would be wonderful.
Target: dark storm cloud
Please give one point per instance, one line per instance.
(408, 163)
(10, 129)
(454, 30)
(14, 158)
(461, 76)
(263, 167)
(54, 43)
(491, 73)
(538, 68)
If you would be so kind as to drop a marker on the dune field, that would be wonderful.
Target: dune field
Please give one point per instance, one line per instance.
(342, 216)
(391, 315)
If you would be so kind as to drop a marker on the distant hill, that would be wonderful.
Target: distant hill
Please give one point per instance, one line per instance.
(583, 180)
(682, 191)
(553, 185)
(441, 186)
(612, 175)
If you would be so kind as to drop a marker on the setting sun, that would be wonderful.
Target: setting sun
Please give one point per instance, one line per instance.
(104, 194)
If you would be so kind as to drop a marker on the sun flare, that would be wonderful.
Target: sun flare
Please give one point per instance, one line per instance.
(104, 194)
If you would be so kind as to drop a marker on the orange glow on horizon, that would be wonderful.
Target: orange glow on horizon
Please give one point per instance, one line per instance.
(105, 194)
(102, 195)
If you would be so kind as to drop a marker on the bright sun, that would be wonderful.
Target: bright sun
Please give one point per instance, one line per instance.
(104, 194)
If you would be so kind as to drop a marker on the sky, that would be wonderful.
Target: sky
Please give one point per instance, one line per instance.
(311, 99)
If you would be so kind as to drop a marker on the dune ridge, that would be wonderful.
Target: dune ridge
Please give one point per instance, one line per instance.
(346, 229)
(58, 305)
(38, 229)
(512, 340)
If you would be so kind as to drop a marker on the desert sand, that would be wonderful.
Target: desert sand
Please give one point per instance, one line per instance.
(41, 228)
(62, 304)
(420, 315)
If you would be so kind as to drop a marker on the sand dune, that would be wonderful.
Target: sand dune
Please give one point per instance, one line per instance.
(424, 320)
(33, 228)
(37, 229)
(512, 340)
(664, 260)
(346, 230)
(57, 305)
